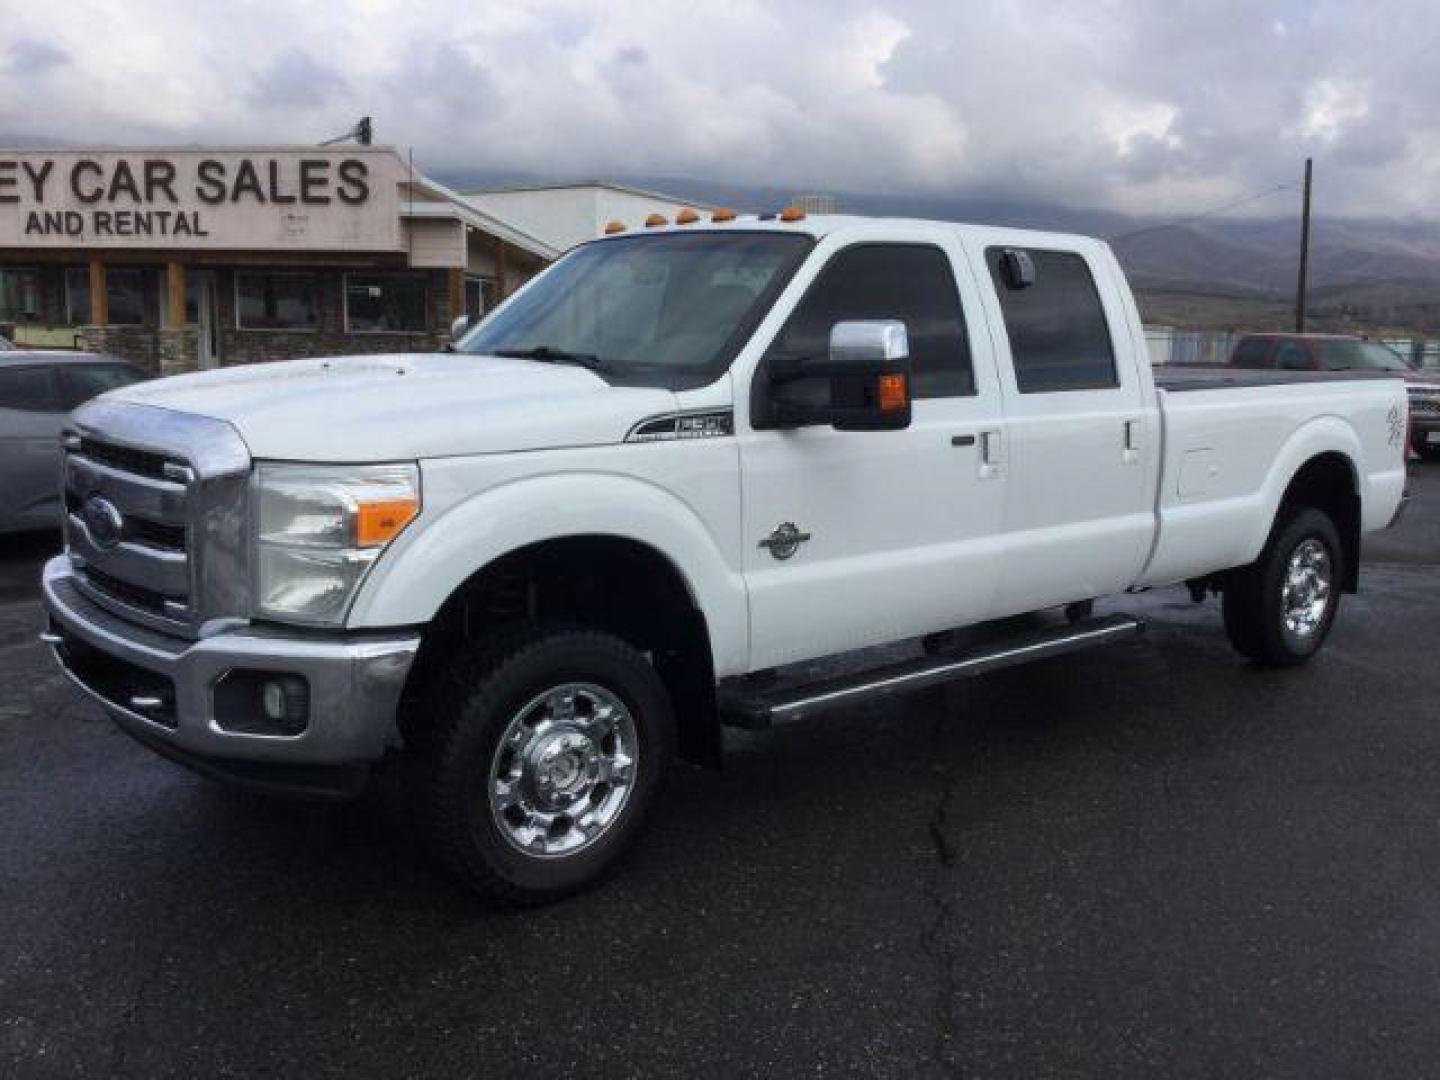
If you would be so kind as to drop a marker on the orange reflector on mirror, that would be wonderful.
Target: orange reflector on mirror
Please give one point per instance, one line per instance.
(891, 392)
(656, 220)
(613, 227)
(380, 522)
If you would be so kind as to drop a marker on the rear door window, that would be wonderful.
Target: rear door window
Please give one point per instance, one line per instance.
(28, 389)
(1292, 356)
(1059, 338)
(81, 382)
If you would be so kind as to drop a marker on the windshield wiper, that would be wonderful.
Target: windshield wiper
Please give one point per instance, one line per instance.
(549, 354)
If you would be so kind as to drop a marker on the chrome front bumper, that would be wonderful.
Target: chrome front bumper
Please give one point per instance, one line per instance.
(354, 681)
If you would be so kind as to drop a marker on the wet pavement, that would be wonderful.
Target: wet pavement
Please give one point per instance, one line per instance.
(1147, 860)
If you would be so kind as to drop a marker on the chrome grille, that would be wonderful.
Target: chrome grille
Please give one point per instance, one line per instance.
(156, 514)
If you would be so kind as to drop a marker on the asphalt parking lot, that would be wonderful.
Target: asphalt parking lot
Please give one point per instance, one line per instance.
(1152, 860)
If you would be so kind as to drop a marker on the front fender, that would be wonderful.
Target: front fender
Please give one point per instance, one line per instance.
(427, 564)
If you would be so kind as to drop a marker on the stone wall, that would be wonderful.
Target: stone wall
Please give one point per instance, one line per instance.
(138, 344)
(167, 350)
(329, 337)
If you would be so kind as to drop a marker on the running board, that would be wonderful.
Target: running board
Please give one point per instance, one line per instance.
(757, 708)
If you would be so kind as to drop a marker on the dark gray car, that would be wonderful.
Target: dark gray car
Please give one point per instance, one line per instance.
(37, 390)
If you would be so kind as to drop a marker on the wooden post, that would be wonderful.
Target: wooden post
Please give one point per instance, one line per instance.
(502, 287)
(455, 283)
(99, 295)
(175, 286)
(1304, 254)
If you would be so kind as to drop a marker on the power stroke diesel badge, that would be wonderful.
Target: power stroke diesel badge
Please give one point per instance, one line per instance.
(785, 540)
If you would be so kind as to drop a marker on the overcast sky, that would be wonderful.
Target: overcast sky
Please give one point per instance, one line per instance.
(1162, 107)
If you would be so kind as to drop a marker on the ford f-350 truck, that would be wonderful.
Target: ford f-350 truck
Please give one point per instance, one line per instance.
(539, 566)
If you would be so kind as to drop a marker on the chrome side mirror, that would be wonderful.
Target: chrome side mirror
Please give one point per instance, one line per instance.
(460, 326)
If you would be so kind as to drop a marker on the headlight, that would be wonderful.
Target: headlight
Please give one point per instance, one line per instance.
(318, 530)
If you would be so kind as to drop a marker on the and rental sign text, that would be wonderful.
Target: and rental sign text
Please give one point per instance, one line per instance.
(303, 199)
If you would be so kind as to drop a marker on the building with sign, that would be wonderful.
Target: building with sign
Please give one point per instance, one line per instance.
(178, 259)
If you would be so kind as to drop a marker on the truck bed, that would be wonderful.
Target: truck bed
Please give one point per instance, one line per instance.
(1178, 378)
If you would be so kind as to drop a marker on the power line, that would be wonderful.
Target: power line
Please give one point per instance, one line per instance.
(1119, 237)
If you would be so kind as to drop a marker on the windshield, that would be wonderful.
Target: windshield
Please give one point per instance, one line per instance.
(665, 310)
(1359, 356)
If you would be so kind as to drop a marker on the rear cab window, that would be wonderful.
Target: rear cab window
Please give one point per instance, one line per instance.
(1059, 336)
(1252, 352)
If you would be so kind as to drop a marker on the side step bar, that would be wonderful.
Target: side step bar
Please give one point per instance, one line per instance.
(757, 708)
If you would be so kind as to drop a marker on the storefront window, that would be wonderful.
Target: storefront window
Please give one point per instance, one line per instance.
(375, 303)
(275, 301)
(130, 291)
(19, 296)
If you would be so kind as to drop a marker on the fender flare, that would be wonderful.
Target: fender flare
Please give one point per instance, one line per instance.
(1328, 434)
(412, 580)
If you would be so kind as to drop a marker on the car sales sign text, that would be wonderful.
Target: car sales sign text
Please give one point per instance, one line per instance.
(302, 199)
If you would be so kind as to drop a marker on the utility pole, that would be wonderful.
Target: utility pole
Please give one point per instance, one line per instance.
(1304, 254)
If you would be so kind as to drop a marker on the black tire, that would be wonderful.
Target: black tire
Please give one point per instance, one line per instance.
(1254, 598)
(452, 752)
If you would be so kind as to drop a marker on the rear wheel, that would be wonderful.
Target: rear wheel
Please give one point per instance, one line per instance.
(1279, 610)
(536, 770)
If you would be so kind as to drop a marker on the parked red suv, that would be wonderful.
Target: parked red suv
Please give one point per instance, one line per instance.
(1339, 352)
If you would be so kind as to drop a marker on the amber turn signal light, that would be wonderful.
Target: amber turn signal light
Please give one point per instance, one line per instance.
(892, 392)
(722, 213)
(686, 217)
(613, 227)
(380, 522)
(654, 221)
(792, 213)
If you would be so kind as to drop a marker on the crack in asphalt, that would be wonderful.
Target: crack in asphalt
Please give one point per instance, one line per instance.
(940, 935)
(118, 1049)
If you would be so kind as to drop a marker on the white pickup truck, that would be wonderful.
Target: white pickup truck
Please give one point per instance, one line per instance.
(537, 567)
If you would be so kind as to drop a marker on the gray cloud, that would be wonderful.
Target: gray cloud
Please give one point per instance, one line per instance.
(28, 58)
(295, 79)
(1119, 104)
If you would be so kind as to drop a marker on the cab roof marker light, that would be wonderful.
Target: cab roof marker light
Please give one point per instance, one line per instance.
(686, 217)
(792, 213)
(722, 213)
(613, 227)
(654, 221)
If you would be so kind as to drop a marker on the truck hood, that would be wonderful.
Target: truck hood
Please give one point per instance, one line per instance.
(403, 406)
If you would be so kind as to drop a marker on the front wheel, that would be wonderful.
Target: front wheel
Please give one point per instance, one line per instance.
(1279, 610)
(541, 757)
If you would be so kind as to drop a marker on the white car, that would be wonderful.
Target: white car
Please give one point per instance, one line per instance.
(675, 461)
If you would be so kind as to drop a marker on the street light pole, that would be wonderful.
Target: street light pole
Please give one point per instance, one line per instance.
(1304, 254)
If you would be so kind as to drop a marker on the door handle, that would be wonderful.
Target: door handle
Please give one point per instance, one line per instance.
(962, 440)
(1130, 448)
(992, 454)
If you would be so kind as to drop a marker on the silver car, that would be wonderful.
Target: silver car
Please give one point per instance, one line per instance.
(37, 390)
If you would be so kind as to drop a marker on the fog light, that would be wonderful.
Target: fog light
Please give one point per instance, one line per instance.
(273, 700)
(262, 703)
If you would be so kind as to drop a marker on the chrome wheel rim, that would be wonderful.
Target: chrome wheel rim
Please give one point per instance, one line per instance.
(563, 770)
(1306, 592)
